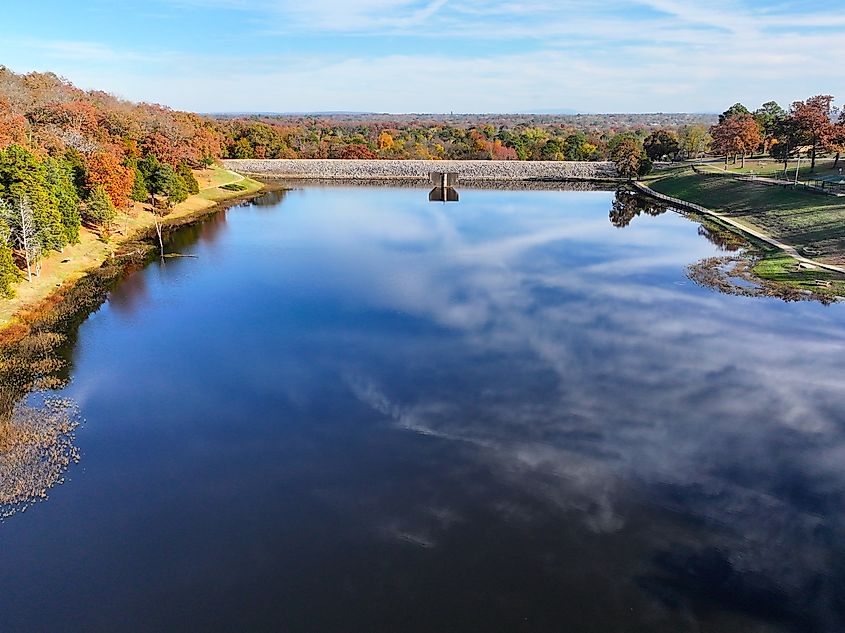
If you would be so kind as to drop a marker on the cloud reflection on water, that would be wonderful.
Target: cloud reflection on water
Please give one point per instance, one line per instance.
(725, 411)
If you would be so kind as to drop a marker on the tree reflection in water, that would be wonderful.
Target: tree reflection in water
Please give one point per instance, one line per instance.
(629, 204)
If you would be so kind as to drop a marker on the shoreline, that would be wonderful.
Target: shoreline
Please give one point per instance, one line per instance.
(93, 255)
(744, 230)
(34, 343)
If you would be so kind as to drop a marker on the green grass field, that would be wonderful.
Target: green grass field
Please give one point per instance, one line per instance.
(774, 169)
(795, 216)
(778, 267)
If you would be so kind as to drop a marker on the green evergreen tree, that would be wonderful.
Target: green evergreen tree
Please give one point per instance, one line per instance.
(139, 192)
(74, 159)
(148, 166)
(99, 208)
(60, 178)
(22, 175)
(166, 182)
(10, 274)
(187, 175)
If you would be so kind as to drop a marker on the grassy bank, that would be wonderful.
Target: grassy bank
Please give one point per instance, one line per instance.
(61, 269)
(813, 223)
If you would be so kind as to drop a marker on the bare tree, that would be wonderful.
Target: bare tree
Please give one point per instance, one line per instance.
(24, 233)
(158, 219)
(159, 222)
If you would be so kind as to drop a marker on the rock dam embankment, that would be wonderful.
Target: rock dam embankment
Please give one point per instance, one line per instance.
(467, 170)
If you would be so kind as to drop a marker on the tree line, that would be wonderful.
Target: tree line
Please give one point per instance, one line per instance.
(397, 138)
(809, 127)
(70, 158)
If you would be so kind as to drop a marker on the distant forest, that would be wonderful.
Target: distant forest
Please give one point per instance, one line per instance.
(445, 136)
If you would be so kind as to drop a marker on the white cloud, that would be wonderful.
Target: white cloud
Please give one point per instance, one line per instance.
(668, 55)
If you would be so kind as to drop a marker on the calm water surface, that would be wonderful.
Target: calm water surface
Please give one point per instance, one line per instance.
(359, 411)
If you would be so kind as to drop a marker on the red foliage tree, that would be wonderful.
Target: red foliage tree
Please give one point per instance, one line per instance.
(107, 170)
(78, 116)
(498, 151)
(12, 126)
(206, 143)
(357, 151)
(813, 119)
(736, 135)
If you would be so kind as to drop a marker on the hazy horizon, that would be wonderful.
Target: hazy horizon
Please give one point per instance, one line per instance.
(444, 114)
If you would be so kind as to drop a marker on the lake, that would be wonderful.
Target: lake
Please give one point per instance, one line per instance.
(355, 410)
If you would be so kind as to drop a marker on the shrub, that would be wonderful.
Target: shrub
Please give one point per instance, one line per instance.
(188, 176)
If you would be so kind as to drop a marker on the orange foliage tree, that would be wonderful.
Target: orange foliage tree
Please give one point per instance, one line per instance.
(12, 126)
(813, 119)
(357, 151)
(106, 169)
(736, 135)
(385, 141)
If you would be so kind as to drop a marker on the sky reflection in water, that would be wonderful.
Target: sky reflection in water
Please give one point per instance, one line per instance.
(360, 411)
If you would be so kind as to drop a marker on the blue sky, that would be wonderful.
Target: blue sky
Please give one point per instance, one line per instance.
(435, 55)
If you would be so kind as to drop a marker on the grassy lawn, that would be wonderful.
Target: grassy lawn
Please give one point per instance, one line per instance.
(93, 250)
(794, 216)
(778, 267)
(771, 168)
(215, 177)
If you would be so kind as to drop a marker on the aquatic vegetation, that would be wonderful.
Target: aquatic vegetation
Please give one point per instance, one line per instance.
(36, 449)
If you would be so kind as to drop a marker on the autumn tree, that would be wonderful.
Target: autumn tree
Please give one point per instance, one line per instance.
(500, 151)
(386, 141)
(12, 126)
(357, 151)
(105, 169)
(78, 116)
(813, 122)
(241, 149)
(629, 157)
(736, 136)
(695, 141)
(662, 143)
